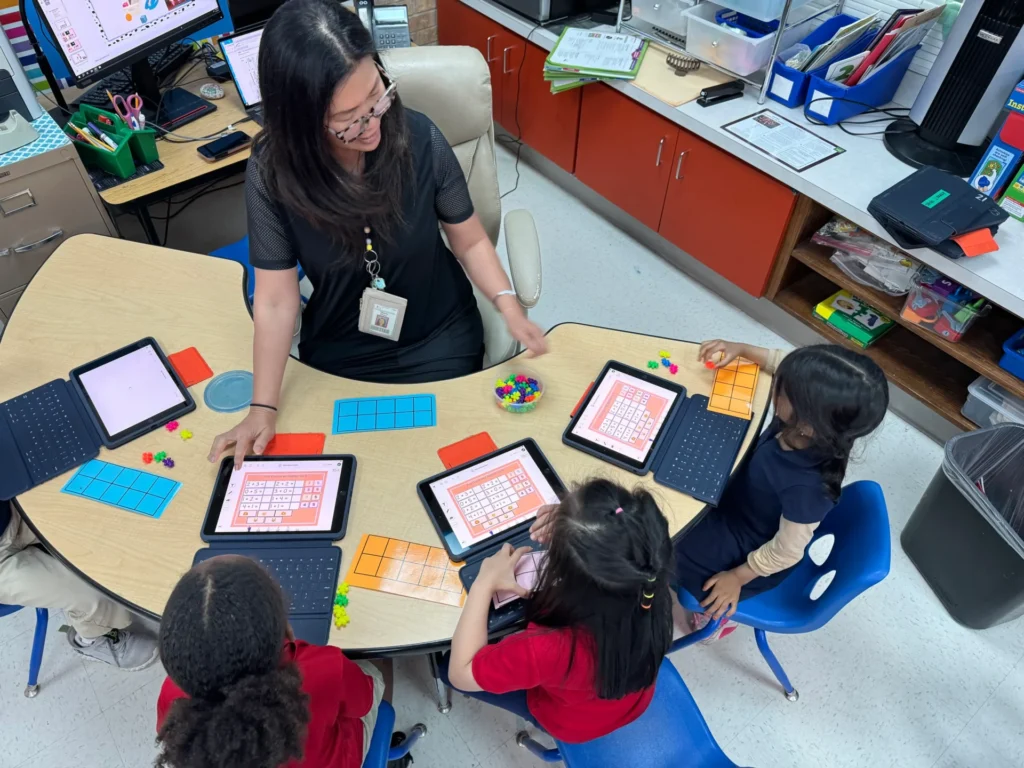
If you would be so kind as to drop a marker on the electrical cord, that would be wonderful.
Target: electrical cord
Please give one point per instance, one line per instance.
(891, 113)
(517, 140)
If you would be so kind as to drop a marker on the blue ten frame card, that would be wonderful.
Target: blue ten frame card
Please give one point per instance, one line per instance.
(372, 414)
(123, 487)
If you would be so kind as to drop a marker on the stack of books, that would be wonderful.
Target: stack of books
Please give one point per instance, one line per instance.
(582, 56)
(857, 321)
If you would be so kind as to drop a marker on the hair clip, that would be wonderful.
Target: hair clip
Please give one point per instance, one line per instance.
(618, 510)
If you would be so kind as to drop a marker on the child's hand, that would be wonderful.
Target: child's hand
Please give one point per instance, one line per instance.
(725, 594)
(498, 572)
(540, 531)
(719, 352)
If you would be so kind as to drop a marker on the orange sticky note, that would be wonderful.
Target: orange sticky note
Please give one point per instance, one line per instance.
(190, 366)
(977, 242)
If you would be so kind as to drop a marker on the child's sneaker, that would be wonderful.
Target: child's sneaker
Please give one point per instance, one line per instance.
(125, 650)
(700, 620)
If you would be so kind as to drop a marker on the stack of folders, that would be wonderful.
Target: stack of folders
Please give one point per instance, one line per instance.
(860, 50)
(582, 56)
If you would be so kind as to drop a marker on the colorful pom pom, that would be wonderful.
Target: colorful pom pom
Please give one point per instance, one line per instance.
(186, 434)
(652, 364)
(160, 456)
(171, 426)
(147, 458)
(673, 369)
(168, 462)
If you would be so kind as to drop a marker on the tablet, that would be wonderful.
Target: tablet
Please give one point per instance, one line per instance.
(623, 416)
(131, 392)
(281, 498)
(491, 499)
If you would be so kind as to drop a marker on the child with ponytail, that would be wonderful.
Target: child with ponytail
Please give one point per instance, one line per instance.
(825, 397)
(599, 621)
(242, 692)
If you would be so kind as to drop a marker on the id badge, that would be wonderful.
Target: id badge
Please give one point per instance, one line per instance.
(381, 314)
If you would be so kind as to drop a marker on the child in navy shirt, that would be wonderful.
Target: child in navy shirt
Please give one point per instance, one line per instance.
(825, 397)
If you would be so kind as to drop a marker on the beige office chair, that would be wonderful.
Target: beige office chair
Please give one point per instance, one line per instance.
(452, 86)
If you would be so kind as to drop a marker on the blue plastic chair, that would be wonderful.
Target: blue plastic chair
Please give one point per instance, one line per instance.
(239, 252)
(38, 643)
(671, 733)
(860, 559)
(381, 751)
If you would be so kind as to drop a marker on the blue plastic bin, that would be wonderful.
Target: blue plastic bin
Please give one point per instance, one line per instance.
(846, 102)
(1013, 355)
(789, 86)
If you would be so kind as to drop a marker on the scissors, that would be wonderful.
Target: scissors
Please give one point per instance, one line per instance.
(129, 109)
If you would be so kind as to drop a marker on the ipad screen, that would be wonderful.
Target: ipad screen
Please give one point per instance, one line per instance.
(625, 415)
(287, 496)
(492, 496)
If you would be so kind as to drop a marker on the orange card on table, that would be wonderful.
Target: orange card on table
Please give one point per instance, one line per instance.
(977, 242)
(464, 451)
(296, 444)
(404, 568)
(733, 390)
(190, 366)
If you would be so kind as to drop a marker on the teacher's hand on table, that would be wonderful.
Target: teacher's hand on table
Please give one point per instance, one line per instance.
(250, 436)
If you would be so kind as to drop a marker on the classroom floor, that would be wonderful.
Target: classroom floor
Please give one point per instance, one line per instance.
(892, 682)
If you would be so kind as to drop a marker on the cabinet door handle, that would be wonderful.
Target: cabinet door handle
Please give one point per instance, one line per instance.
(8, 211)
(661, 146)
(679, 163)
(504, 61)
(488, 55)
(32, 246)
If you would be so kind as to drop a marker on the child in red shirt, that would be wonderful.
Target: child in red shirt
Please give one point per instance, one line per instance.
(242, 692)
(599, 622)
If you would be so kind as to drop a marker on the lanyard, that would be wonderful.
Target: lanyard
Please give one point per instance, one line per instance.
(372, 263)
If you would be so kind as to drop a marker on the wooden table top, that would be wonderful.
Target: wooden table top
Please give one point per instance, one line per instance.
(96, 294)
(182, 162)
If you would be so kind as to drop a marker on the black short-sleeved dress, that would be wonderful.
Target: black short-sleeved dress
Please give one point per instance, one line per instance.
(772, 484)
(442, 335)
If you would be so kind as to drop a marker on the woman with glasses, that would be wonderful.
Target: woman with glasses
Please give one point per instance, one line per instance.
(351, 185)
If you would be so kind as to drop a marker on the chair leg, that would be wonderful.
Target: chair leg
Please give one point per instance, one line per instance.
(535, 748)
(780, 674)
(397, 753)
(444, 693)
(38, 643)
(695, 637)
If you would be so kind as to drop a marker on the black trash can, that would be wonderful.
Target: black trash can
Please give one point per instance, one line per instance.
(966, 536)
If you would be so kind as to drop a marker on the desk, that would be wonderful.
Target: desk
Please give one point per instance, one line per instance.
(96, 294)
(183, 167)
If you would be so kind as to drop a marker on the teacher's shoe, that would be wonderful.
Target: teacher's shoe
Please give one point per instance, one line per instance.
(130, 651)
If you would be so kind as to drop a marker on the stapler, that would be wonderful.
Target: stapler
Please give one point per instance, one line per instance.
(719, 94)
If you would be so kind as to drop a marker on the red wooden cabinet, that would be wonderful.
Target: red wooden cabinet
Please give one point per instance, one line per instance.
(625, 152)
(547, 122)
(725, 213)
(458, 24)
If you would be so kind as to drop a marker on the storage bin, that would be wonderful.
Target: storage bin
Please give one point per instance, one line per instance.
(938, 307)
(765, 10)
(964, 536)
(142, 142)
(830, 103)
(1013, 354)
(117, 162)
(789, 86)
(989, 404)
(728, 50)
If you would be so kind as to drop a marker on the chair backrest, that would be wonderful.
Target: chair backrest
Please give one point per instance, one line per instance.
(452, 86)
(860, 557)
(671, 733)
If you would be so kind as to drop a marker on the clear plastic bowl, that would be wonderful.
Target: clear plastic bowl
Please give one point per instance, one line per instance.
(517, 407)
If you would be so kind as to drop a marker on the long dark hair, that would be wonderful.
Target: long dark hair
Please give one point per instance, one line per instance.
(221, 642)
(603, 567)
(308, 48)
(840, 394)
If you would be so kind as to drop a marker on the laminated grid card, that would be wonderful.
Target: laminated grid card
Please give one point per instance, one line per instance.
(123, 487)
(733, 391)
(404, 568)
(372, 414)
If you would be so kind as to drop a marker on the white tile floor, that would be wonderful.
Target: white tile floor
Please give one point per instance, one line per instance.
(892, 682)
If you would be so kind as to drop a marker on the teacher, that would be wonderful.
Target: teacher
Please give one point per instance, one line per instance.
(351, 185)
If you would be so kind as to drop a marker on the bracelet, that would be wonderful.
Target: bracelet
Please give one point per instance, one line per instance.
(506, 292)
(262, 405)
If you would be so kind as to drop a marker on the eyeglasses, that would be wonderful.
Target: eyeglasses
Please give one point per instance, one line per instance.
(358, 126)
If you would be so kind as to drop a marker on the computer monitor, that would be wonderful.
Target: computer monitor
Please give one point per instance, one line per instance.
(248, 13)
(96, 38)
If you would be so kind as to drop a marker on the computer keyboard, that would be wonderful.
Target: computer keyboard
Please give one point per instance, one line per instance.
(308, 575)
(49, 430)
(700, 452)
(165, 63)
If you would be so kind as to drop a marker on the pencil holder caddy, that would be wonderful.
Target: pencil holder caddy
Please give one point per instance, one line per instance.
(518, 391)
(117, 162)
